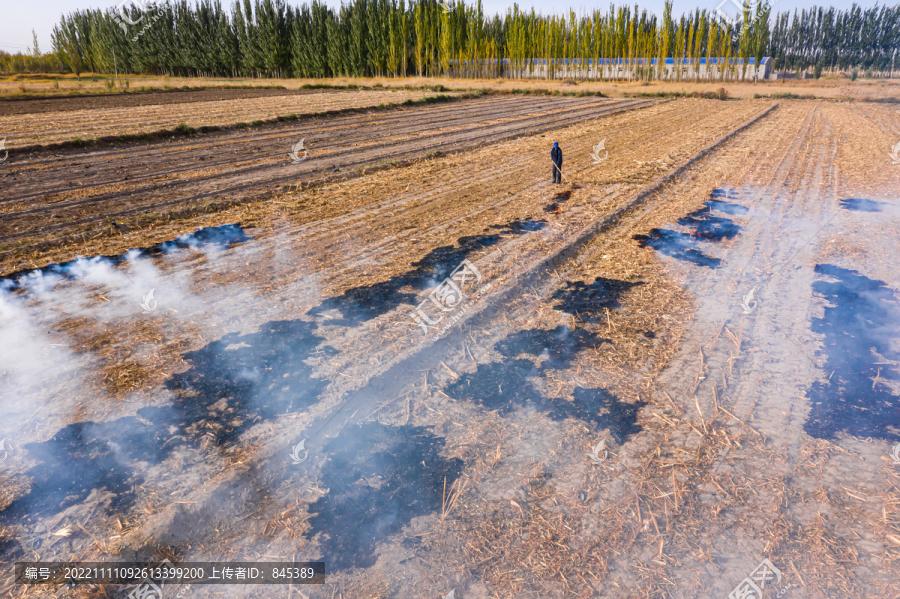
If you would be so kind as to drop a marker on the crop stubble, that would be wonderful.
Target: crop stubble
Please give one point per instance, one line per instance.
(147, 185)
(688, 497)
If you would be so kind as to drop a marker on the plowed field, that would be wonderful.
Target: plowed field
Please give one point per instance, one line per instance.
(130, 116)
(679, 362)
(46, 198)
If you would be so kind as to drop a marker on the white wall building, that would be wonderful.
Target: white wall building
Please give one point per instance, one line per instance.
(538, 68)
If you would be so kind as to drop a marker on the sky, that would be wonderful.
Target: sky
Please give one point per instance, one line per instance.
(42, 15)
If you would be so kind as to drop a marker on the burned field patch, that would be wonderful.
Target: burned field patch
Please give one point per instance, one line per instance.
(678, 245)
(563, 196)
(592, 300)
(88, 456)
(709, 228)
(222, 237)
(599, 407)
(507, 387)
(232, 384)
(240, 379)
(520, 226)
(559, 346)
(864, 205)
(363, 303)
(558, 198)
(360, 304)
(859, 329)
(100, 460)
(379, 478)
(701, 226)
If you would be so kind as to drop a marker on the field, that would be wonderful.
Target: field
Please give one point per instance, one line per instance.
(42, 86)
(679, 362)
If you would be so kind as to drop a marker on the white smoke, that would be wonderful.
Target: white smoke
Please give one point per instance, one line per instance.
(33, 362)
(37, 357)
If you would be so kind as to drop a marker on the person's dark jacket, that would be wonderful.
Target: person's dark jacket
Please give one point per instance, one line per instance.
(556, 156)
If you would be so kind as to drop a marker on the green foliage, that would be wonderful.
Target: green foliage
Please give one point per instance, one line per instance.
(428, 100)
(838, 40)
(721, 94)
(786, 96)
(275, 38)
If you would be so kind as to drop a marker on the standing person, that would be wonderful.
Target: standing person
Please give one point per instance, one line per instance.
(556, 157)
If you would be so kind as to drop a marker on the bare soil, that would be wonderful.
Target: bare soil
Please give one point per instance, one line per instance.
(150, 98)
(44, 129)
(129, 184)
